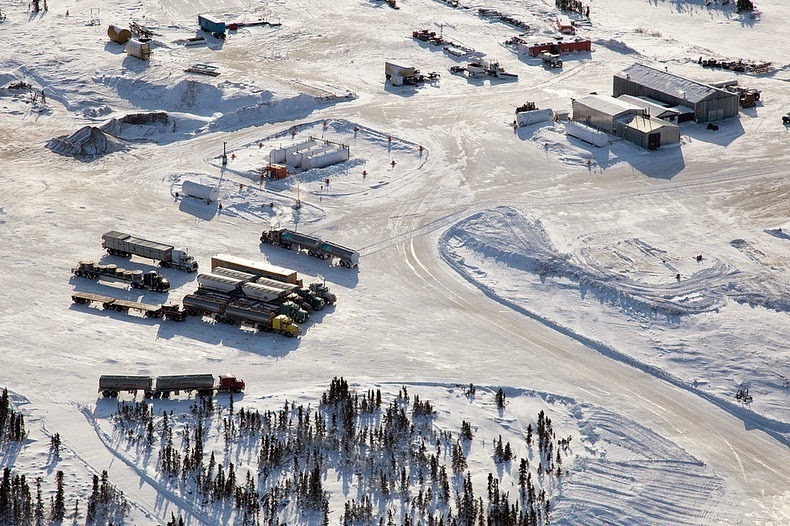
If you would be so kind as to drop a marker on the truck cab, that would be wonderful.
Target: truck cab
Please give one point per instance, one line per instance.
(184, 261)
(154, 281)
(322, 291)
(228, 382)
(283, 324)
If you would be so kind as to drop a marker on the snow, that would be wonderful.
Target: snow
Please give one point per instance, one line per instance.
(515, 258)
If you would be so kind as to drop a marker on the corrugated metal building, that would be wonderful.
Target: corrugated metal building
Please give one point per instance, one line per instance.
(645, 131)
(600, 111)
(709, 103)
(625, 119)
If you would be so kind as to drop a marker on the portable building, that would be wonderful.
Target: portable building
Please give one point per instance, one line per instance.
(565, 26)
(709, 103)
(139, 49)
(600, 111)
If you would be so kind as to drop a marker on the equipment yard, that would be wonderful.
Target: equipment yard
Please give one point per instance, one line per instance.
(441, 309)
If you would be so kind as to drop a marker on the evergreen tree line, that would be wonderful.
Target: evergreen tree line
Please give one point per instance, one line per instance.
(392, 451)
(12, 423)
(18, 506)
(573, 6)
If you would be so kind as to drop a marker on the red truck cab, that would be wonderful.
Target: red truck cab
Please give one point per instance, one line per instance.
(228, 382)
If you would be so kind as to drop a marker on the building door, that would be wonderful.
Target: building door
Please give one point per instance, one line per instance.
(654, 141)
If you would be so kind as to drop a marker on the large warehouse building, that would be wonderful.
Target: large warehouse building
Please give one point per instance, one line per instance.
(709, 103)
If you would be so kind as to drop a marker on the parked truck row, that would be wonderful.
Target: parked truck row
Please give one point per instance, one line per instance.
(315, 246)
(164, 386)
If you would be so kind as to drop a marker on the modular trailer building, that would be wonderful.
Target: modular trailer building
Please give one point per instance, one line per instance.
(709, 103)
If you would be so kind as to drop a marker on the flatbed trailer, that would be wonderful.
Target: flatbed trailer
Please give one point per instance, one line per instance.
(116, 304)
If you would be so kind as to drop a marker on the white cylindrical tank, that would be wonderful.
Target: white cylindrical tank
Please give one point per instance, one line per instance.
(200, 191)
(324, 159)
(587, 134)
(262, 292)
(279, 155)
(218, 283)
(526, 118)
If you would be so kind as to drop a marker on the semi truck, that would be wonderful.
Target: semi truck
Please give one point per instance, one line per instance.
(257, 268)
(137, 279)
(315, 246)
(240, 311)
(319, 288)
(125, 245)
(164, 386)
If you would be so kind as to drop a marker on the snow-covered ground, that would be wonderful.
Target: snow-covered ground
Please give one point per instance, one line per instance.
(520, 259)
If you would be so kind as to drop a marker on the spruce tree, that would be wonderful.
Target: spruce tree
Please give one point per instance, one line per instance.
(59, 507)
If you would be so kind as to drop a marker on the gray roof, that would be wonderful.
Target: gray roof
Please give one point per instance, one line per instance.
(681, 87)
(656, 110)
(607, 105)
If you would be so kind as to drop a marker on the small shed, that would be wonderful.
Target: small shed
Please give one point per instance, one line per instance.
(277, 171)
(565, 26)
(600, 111)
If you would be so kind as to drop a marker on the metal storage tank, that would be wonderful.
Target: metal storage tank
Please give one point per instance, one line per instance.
(525, 118)
(119, 34)
(207, 193)
(587, 134)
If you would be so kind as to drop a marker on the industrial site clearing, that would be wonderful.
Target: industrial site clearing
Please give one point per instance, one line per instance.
(395, 262)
